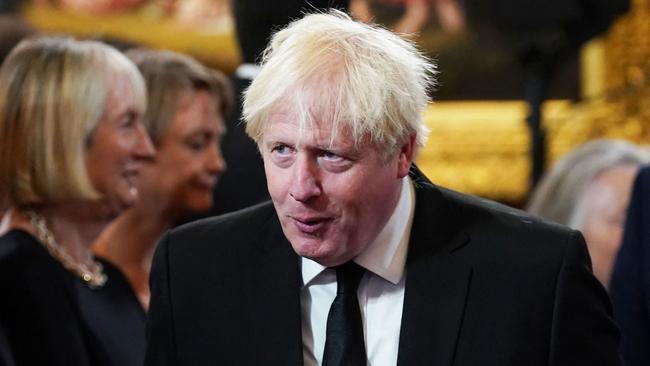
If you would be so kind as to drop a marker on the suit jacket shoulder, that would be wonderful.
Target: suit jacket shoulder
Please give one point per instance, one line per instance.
(492, 228)
(507, 288)
(207, 234)
(485, 285)
(225, 290)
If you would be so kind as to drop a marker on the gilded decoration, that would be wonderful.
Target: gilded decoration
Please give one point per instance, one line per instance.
(482, 147)
(475, 147)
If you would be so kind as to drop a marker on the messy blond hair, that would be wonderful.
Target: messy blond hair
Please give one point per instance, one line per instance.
(353, 75)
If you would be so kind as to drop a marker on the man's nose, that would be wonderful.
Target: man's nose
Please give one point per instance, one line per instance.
(305, 184)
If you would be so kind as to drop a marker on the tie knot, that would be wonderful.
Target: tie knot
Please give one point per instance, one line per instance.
(348, 276)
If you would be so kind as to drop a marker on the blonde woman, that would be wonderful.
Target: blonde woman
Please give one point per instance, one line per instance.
(73, 144)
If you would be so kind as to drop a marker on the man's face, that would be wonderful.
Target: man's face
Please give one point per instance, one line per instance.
(332, 198)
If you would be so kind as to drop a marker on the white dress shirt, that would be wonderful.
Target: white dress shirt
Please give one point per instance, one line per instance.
(380, 293)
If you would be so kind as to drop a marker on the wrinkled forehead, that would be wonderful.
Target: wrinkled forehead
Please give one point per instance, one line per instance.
(310, 109)
(303, 122)
(310, 102)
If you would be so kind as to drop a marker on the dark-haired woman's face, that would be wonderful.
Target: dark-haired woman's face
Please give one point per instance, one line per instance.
(188, 159)
(119, 147)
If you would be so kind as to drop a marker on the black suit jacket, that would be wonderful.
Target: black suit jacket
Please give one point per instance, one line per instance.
(486, 285)
(630, 285)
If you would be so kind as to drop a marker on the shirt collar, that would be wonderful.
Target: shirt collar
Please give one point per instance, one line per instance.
(386, 256)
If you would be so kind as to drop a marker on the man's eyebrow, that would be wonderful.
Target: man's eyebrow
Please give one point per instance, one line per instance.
(274, 141)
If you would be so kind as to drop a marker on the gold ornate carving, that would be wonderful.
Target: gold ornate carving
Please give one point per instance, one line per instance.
(482, 148)
(475, 147)
(215, 47)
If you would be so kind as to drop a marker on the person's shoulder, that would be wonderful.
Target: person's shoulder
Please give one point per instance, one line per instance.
(495, 226)
(477, 214)
(644, 173)
(502, 240)
(233, 231)
(27, 269)
(504, 215)
(642, 182)
(244, 221)
(19, 246)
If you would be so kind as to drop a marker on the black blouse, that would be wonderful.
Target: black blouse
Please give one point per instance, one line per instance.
(50, 317)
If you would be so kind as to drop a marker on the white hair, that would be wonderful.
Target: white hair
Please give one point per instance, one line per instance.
(560, 195)
(360, 77)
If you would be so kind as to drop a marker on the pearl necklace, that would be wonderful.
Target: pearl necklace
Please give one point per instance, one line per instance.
(91, 272)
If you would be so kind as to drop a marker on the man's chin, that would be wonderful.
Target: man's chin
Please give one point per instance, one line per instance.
(312, 249)
(319, 252)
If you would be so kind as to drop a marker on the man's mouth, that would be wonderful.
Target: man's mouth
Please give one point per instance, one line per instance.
(310, 224)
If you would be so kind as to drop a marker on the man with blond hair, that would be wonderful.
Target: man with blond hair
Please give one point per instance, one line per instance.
(359, 259)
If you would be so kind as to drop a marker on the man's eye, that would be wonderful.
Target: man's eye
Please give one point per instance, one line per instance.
(330, 155)
(281, 149)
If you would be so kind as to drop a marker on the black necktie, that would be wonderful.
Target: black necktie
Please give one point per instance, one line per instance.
(344, 344)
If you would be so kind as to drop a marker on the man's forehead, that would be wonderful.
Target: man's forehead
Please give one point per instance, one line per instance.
(300, 105)
(320, 133)
(313, 128)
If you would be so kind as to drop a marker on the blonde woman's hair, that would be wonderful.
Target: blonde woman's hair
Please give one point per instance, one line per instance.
(53, 92)
(169, 76)
(357, 77)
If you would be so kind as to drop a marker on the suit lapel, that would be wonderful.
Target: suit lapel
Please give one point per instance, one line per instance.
(274, 301)
(437, 281)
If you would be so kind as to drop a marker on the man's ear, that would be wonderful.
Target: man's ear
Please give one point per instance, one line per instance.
(405, 157)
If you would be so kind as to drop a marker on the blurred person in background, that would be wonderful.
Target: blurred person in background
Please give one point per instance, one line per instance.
(97, 7)
(630, 286)
(8, 6)
(186, 105)
(244, 183)
(589, 190)
(13, 29)
(416, 13)
(73, 144)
